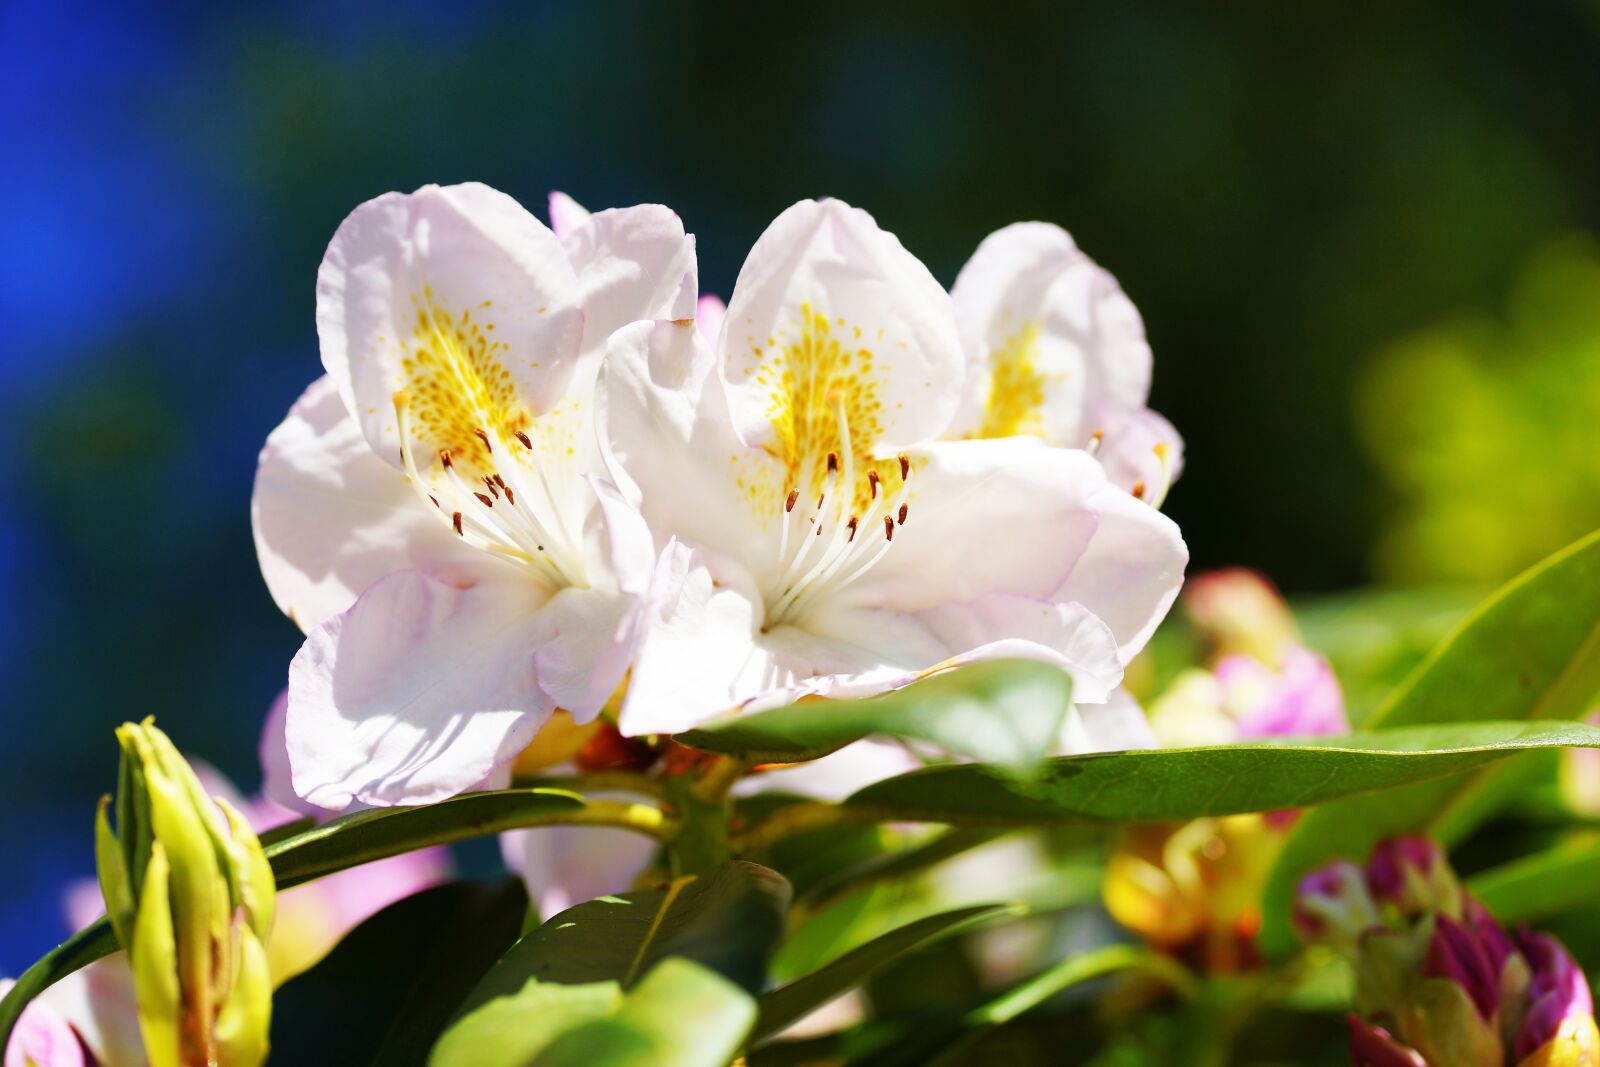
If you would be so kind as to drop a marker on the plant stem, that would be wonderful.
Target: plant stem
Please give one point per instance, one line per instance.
(600, 782)
(799, 818)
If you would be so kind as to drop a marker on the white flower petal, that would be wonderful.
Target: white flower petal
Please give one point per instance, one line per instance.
(1051, 336)
(709, 311)
(666, 424)
(996, 516)
(830, 311)
(330, 518)
(566, 214)
(836, 775)
(1000, 625)
(421, 293)
(419, 690)
(98, 1003)
(698, 653)
(1118, 725)
(1139, 448)
(567, 865)
(1131, 571)
(631, 263)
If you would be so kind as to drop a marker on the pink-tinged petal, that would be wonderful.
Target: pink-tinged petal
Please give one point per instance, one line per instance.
(1238, 610)
(330, 518)
(1139, 450)
(1373, 1046)
(631, 263)
(1002, 625)
(592, 642)
(1052, 339)
(1117, 725)
(836, 775)
(566, 214)
(1132, 569)
(698, 654)
(566, 865)
(98, 1003)
(1404, 871)
(825, 292)
(1334, 900)
(709, 311)
(1007, 516)
(665, 418)
(41, 1037)
(419, 690)
(1303, 699)
(418, 291)
(277, 784)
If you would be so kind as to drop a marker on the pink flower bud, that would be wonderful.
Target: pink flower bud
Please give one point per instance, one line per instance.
(1411, 873)
(1332, 904)
(1457, 954)
(1373, 1046)
(1557, 993)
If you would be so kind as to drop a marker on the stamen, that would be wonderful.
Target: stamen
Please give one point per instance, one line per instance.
(483, 435)
(1138, 490)
(794, 495)
(526, 441)
(1094, 442)
(1163, 453)
(833, 464)
(444, 457)
(873, 480)
(888, 528)
(902, 514)
(851, 526)
(905, 466)
(485, 500)
(455, 520)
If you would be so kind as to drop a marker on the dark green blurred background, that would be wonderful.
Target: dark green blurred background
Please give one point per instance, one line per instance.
(1356, 233)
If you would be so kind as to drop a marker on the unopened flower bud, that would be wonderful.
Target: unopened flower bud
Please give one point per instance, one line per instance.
(1411, 874)
(1373, 1046)
(191, 897)
(1239, 611)
(1332, 904)
(1558, 1029)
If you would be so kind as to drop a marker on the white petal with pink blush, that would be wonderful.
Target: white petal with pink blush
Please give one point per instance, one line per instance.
(434, 512)
(820, 536)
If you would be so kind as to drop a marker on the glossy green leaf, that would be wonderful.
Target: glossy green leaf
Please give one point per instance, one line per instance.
(385, 992)
(679, 1015)
(783, 1006)
(1186, 783)
(1005, 712)
(512, 1031)
(310, 853)
(1547, 883)
(729, 920)
(378, 833)
(1531, 652)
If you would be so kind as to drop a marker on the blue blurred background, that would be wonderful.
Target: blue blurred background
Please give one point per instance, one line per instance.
(1358, 238)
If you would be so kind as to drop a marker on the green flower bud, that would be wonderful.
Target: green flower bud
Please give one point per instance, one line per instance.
(191, 897)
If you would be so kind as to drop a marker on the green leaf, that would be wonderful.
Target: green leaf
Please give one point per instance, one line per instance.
(1547, 883)
(378, 833)
(1158, 785)
(1000, 711)
(89, 944)
(1530, 652)
(511, 1031)
(783, 1006)
(679, 1015)
(729, 920)
(384, 993)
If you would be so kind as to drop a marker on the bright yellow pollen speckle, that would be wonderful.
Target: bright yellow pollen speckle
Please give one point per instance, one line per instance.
(458, 384)
(1016, 388)
(812, 380)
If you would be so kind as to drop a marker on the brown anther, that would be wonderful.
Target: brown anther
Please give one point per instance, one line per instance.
(455, 520)
(851, 526)
(436, 503)
(488, 503)
(820, 498)
(1138, 490)
(493, 489)
(905, 466)
(902, 516)
(483, 435)
(833, 463)
(888, 528)
(444, 457)
(527, 442)
(872, 482)
(788, 504)
(1096, 437)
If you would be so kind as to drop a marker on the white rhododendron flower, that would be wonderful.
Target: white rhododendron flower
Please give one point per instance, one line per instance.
(820, 534)
(430, 511)
(1058, 351)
